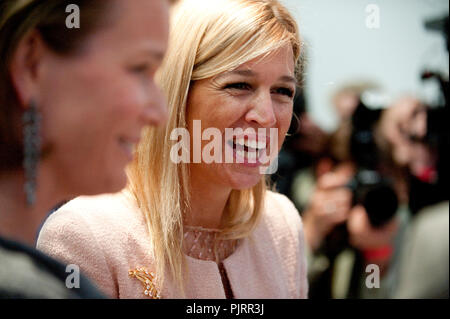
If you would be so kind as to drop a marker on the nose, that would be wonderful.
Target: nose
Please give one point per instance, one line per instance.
(261, 111)
(156, 111)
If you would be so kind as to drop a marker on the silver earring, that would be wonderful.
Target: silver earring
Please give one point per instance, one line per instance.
(31, 150)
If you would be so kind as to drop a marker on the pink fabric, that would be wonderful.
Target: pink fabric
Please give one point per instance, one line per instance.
(106, 236)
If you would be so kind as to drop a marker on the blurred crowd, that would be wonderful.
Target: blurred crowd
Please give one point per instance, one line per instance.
(373, 192)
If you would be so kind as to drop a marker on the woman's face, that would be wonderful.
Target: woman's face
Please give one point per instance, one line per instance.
(257, 95)
(94, 104)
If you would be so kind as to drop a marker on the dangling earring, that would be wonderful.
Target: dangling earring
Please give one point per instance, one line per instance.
(31, 150)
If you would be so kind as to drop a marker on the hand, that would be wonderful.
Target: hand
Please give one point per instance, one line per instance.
(405, 118)
(329, 206)
(363, 236)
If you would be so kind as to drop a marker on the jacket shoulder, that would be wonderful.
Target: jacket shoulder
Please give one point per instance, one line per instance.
(281, 212)
(103, 235)
(282, 225)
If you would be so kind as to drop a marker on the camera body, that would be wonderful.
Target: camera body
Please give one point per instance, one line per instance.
(376, 194)
(371, 188)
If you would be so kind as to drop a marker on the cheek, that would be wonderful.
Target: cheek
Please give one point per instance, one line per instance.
(90, 110)
(128, 99)
(214, 112)
(95, 91)
(119, 102)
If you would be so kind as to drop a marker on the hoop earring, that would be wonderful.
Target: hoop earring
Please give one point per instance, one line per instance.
(31, 150)
(297, 128)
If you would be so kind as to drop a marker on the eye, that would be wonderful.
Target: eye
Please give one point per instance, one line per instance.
(284, 91)
(142, 68)
(238, 86)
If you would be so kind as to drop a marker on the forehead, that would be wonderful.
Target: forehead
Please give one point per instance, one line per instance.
(277, 63)
(137, 20)
(282, 57)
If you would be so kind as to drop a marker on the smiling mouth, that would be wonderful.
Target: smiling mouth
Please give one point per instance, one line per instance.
(248, 150)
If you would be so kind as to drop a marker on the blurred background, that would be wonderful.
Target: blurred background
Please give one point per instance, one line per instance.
(341, 48)
(365, 161)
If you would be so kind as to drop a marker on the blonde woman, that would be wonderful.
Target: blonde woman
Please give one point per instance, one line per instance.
(195, 228)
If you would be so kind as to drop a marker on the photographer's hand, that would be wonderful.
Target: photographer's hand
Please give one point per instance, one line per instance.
(376, 244)
(404, 119)
(363, 236)
(329, 206)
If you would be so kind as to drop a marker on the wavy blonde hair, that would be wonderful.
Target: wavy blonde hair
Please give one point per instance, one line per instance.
(207, 38)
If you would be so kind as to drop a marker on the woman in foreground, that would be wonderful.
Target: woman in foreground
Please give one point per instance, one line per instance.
(72, 101)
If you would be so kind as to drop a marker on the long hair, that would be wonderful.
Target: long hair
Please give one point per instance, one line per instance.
(207, 38)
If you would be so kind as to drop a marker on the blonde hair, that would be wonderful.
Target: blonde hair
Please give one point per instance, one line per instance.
(207, 38)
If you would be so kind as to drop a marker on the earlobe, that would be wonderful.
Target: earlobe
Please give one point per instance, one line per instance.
(24, 67)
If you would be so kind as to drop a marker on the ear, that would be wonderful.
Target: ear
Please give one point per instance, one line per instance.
(24, 67)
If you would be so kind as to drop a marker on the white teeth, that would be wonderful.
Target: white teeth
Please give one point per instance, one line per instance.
(241, 153)
(240, 141)
(251, 157)
(251, 143)
(262, 144)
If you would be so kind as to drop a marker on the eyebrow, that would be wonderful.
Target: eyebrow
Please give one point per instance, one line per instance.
(249, 73)
(158, 55)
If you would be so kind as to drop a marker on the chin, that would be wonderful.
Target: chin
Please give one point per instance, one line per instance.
(115, 188)
(117, 184)
(244, 181)
(106, 185)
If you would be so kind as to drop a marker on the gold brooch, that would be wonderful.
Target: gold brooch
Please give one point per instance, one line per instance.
(148, 280)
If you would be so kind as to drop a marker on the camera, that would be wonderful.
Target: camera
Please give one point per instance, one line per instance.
(376, 194)
(371, 188)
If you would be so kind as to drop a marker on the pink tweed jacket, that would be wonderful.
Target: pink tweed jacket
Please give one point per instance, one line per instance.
(106, 237)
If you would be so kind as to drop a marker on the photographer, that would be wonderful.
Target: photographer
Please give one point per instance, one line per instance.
(356, 212)
(424, 263)
(421, 145)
